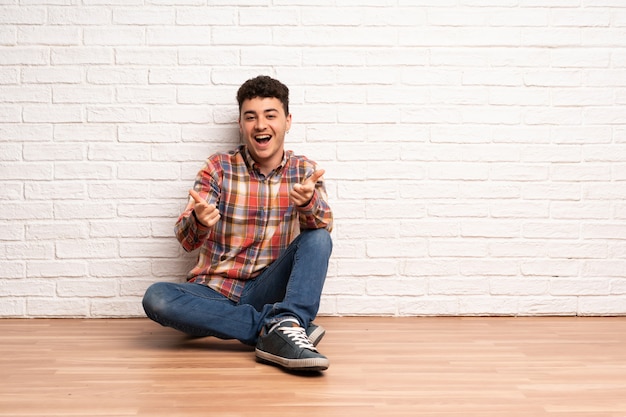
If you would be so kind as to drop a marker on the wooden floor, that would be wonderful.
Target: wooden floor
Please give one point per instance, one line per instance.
(485, 367)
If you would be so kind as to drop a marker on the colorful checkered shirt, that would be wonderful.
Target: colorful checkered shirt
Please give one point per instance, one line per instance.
(257, 221)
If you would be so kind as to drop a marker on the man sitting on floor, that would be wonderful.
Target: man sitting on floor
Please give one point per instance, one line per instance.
(260, 216)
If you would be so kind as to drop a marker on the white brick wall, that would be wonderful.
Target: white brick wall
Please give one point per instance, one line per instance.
(475, 149)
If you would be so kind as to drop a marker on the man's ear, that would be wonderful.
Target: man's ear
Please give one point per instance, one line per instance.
(288, 123)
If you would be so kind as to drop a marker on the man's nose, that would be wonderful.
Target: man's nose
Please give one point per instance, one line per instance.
(260, 123)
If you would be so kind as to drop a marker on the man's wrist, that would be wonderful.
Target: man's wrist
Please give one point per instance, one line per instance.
(198, 220)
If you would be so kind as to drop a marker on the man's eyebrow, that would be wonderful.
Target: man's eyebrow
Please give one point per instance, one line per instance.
(264, 111)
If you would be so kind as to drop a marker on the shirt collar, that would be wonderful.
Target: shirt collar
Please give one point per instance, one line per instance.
(254, 166)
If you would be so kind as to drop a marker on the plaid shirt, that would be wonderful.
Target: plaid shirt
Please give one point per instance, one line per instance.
(257, 221)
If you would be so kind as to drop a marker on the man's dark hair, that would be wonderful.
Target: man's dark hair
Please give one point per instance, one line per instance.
(264, 87)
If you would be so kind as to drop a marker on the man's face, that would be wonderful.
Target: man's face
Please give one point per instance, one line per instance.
(263, 125)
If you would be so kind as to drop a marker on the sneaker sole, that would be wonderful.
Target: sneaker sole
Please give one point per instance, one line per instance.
(309, 364)
(316, 336)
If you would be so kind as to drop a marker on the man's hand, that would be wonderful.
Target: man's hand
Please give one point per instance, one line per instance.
(301, 194)
(207, 214)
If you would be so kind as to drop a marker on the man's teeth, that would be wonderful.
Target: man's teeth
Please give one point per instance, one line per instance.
(264, 138)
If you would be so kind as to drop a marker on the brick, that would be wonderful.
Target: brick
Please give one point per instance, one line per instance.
(11, 152)
(151, 210)
(55, 307)
(84, 133)
(172, 269)
(118, 152)
(228, 16)
(26, 288)
(81, 55)
(539, 154)
(149, 248)
(11, 231)
(11, 190)
(78, 95)
(115, 268)
(179, 35)
(519, 287)
(10, 114)
(53, 152)
(345, 286)
(179, 76)
(52, 230)
(553, 268)
(9, 76)
(25, 94)
(117, 114)
(13, 307)
(428, 306)
(48, 35)
(86, 288)
(22, 15)
(586, 287)
(208, 56)
(119, 307)
(181, 114)
(148, 95)
(365, 305)
(373, 267)
(120, 228)
(151, 133)
(30, 250)
(83, 170)
(145, 56)
(398, 287)
(457, 248)
(455, 210)
(148, 171)
(26, 211)
(603, 268)
(118, 190)
(46, 190)
(52, 114)
(548, 306)
(115, 75)
(488, 306)
(86, 249)
(488, 267)
(144, 16)
(396, 248)
(67, 269)
(119, 35)
(601, 306)
(79, 16)
(84, 210)
(12, 270)
(490, 228)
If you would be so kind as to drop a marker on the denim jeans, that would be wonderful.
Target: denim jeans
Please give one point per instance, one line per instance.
(290, 286)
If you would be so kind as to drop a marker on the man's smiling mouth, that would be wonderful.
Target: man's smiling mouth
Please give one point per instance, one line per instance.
(262, 139)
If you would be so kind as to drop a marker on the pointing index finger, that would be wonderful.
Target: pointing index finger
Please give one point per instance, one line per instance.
(316, 175)
(194, 194)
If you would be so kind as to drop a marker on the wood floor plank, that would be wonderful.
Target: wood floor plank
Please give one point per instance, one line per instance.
(380, 366)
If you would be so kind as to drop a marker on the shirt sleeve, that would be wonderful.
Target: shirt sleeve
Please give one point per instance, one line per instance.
(188, 230)
(317, 214)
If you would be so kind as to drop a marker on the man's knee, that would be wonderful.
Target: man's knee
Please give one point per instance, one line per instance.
(319, 239)
(154, 301)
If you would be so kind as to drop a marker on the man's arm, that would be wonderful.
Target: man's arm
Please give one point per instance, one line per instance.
(194, 224)
(311, 201)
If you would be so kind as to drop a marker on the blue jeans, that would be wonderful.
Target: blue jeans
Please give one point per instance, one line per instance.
(290, 286)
